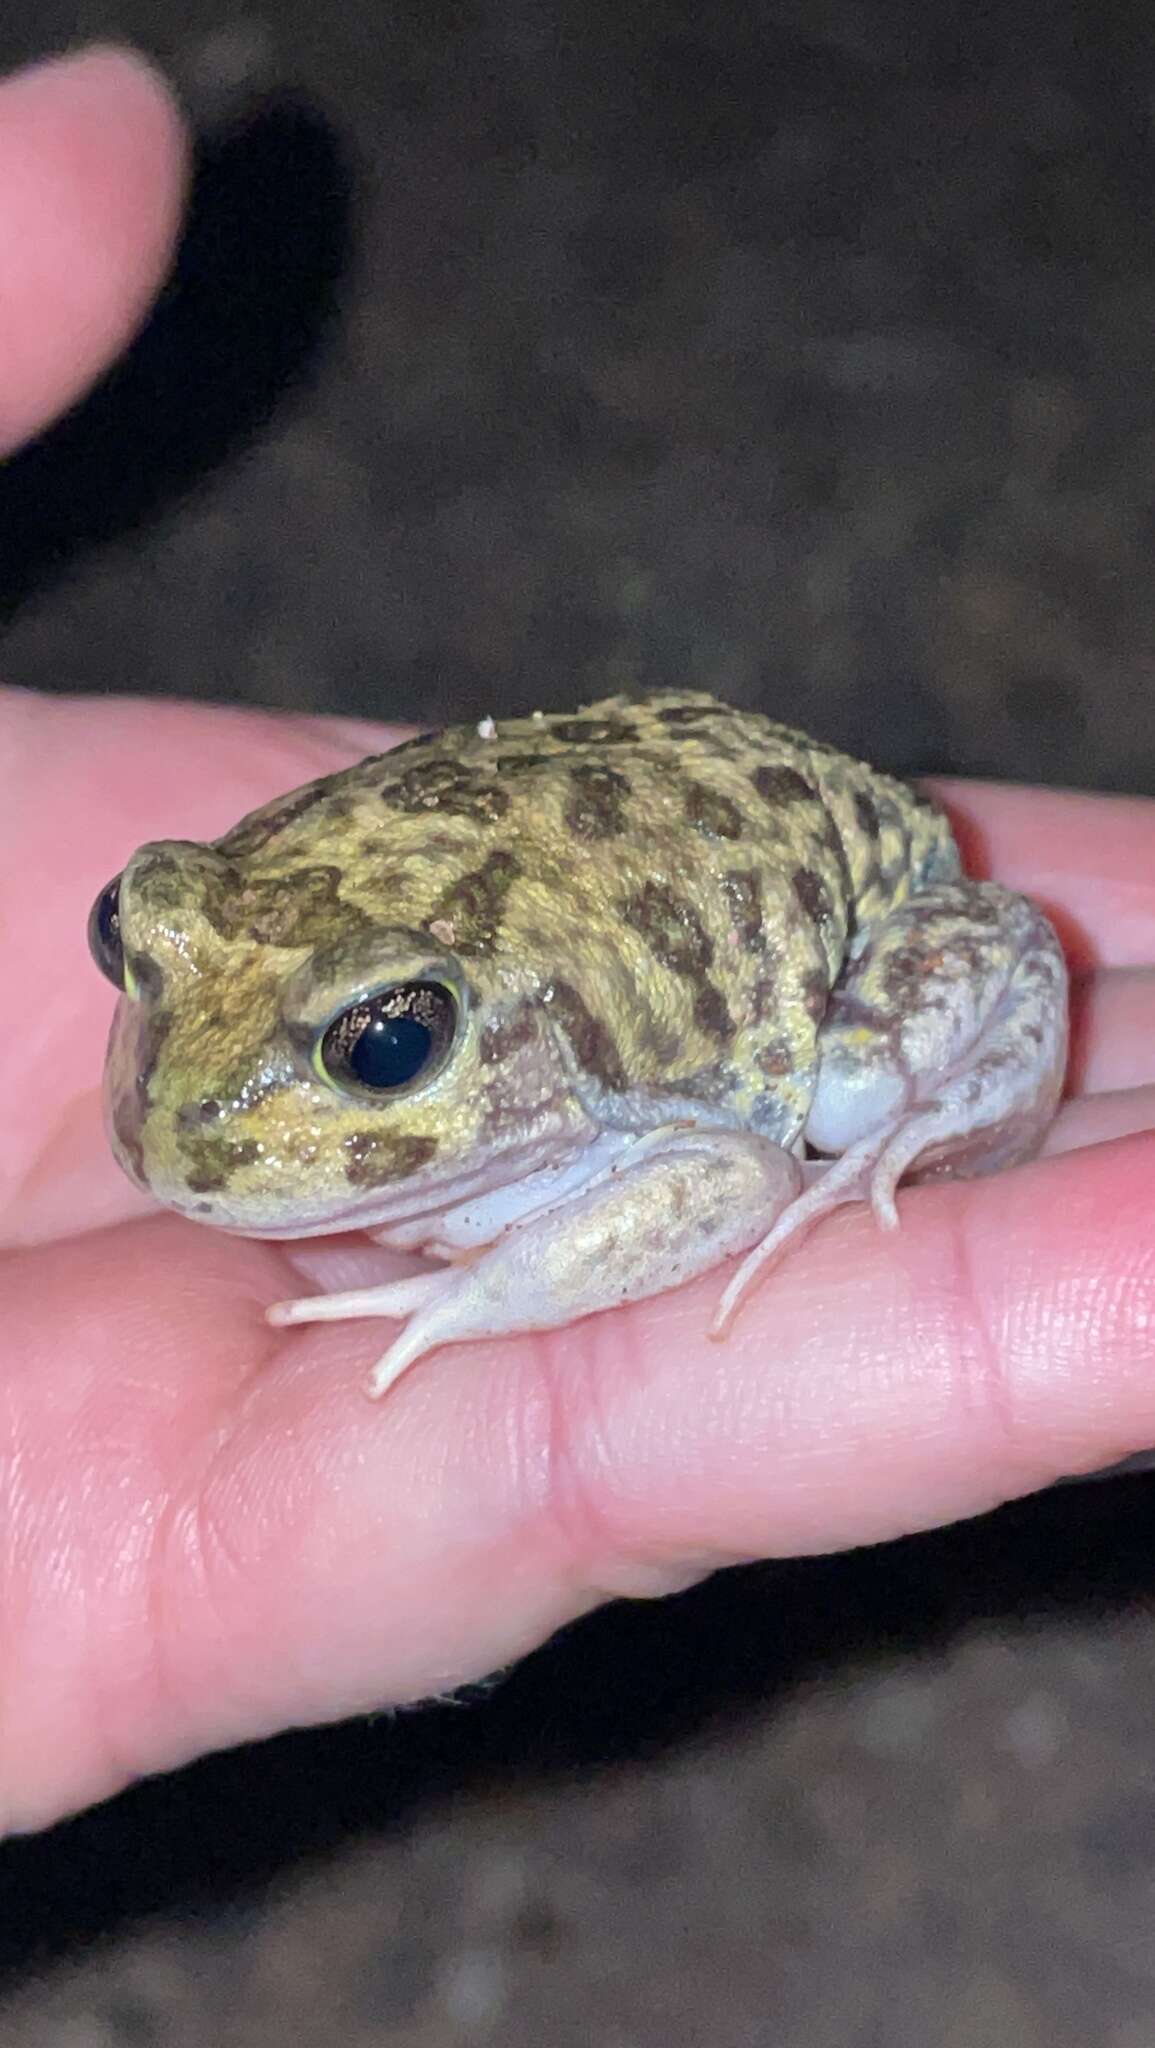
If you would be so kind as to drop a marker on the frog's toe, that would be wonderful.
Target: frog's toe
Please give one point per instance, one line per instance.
(398, 1298)
(830, 1187)
(437, 1308)
(430, 1304)
(443, 1318)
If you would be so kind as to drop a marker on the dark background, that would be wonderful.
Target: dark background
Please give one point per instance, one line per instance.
(518, 350)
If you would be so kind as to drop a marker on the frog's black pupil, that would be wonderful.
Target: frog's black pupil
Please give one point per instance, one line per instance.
(104, 935)
(390, 1052)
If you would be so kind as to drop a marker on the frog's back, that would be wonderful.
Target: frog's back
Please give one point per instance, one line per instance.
(676, 786)
(746, 779)
(684, 875)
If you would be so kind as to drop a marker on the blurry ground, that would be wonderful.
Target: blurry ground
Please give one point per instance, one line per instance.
(800, 349)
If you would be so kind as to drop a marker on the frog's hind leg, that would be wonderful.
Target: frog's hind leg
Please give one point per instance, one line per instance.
(670, 1205)
(942, 1053)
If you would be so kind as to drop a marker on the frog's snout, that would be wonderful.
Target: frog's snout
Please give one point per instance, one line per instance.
(171, 899)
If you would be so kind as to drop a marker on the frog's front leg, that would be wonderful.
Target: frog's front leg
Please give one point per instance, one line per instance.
(669, 1206)
(943, 1053)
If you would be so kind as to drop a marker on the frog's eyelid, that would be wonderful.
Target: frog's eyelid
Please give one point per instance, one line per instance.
(320, 990)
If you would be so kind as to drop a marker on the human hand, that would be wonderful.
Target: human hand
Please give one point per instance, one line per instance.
(208, 1532)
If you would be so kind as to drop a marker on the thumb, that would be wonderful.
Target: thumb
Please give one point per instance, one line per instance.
(92, 168)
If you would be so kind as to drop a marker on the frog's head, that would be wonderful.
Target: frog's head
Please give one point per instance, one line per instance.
(282, 1064)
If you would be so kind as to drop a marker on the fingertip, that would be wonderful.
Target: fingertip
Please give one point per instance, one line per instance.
(93, 165)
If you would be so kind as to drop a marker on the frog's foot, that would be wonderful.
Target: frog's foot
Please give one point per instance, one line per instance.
(943, 1053)
(673, 1204)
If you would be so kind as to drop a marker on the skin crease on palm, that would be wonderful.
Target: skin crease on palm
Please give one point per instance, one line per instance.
(208, 1533)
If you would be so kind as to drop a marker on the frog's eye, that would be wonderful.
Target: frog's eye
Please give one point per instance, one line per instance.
(389, 1042)
(104, 936)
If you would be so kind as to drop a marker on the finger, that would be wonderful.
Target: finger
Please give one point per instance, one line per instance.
(199, 1551)
(1096, 1119)
(1090, 861)
(92, 168)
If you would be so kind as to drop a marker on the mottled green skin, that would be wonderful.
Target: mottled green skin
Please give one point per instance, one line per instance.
(636, 904)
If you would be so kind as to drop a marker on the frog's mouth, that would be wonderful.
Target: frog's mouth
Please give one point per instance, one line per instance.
(331, 1225)
(408, 1211)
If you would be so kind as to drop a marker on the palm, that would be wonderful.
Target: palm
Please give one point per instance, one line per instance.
(209, 1532)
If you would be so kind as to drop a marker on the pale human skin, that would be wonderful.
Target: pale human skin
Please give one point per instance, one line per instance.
(208, 1533)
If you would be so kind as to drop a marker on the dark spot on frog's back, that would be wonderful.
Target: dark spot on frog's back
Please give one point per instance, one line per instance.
(595, 809)
(299, 908)
(711, 1013)
(713, 815)
(692, 714)
(374, 1158)
(671, 928)
(780, 785)
(677, 937)
(459, 789)
(214, 1161)
(593, 732)
(812, 894)
(832, 838)
(473, 906)
(256, 831)
(866, 812)
(521, 763)
(589, 1039)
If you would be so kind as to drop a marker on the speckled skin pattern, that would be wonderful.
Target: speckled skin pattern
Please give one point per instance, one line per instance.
(654, 919)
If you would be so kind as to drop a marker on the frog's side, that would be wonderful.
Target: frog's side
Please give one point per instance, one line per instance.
(657, 950)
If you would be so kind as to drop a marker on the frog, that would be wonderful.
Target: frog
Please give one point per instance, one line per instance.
(579, 1006)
